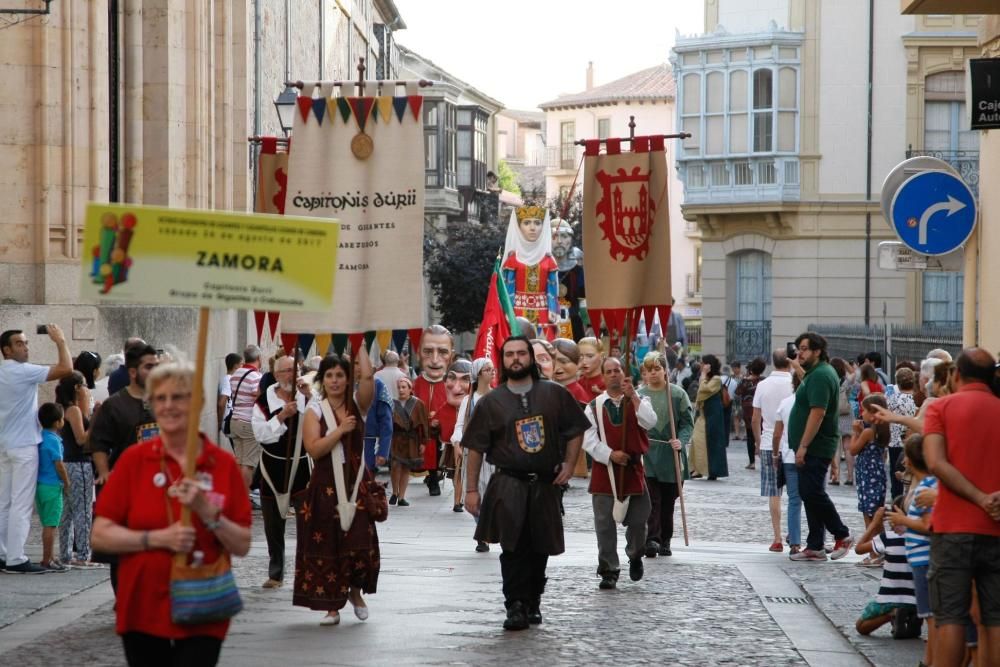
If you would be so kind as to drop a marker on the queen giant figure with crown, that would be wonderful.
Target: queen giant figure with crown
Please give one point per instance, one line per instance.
(530, 272)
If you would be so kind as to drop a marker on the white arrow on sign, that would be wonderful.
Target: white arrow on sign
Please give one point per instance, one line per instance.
(952, 206)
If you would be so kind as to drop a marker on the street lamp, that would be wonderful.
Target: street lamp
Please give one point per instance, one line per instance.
(285, 106)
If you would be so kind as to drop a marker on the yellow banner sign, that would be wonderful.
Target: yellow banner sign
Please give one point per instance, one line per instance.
(186, 257)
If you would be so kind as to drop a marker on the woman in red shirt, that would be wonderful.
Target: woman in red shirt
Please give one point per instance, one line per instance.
(132, 519)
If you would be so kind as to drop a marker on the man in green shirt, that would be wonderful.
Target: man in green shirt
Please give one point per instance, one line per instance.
(813, 435)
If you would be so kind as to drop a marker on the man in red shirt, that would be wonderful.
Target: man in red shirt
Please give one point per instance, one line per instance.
(962, 448)
(436, 351)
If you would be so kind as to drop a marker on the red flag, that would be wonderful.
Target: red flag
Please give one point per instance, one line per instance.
(494, 329)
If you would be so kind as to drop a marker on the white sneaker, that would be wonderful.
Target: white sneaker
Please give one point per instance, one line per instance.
(841, 547)
(331, 620)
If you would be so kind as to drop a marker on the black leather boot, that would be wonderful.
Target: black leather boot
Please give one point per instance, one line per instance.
(535, 611)
(517, 616)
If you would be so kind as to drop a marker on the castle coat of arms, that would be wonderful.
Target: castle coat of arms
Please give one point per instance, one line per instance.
(626, 212)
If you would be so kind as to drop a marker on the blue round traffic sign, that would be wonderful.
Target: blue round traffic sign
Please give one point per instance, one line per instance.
(933, 212)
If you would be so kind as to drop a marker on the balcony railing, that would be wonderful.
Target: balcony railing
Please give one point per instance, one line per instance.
(692, 285)
(747, 339)
(740, 179)
(563, 156)
(966, 163)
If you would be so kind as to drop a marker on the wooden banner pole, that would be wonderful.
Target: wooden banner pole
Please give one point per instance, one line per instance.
(197, 401)
(677, 457)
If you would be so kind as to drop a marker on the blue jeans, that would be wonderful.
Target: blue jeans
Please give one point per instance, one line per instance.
(821, 514)
(794, 503)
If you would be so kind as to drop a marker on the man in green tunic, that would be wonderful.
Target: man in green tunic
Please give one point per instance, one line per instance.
(661, 475)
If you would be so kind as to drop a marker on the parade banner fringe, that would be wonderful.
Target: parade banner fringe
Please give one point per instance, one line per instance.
(367, 171)
(626, 231)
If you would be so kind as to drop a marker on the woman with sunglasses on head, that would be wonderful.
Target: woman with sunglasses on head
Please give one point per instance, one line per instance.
(138, 517)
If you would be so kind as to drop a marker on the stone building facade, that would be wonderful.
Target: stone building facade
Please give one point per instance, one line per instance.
(149, 102)
(778, 174)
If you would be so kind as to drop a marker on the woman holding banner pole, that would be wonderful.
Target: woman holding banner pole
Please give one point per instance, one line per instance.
(337, 555)
(137, 516)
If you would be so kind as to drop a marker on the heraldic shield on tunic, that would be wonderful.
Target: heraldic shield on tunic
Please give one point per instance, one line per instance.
(626, 231)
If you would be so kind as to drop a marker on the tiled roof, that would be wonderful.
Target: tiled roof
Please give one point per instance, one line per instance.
(444, 75)
(654, 83)
(523, 117)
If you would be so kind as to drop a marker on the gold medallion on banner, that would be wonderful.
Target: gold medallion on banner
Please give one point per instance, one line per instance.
(362, 146)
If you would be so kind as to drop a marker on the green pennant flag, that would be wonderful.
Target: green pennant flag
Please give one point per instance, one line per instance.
(339, 343)
(345, 112)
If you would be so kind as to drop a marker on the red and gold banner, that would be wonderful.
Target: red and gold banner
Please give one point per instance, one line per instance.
(626, 232)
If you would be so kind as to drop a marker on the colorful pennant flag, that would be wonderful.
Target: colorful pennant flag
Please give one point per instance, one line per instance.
(305, 106)
(319, 108)
(339, 343)
(305, 342)
(416, 101)
(344, 108)
(384, 108)
(415, 335)
(399, 106)
(384, 338)
(398, 339)
(362, 107)
(356, 339)
(288, 341)
(323, 344)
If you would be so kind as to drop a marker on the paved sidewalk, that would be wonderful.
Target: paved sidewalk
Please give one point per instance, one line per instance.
(22, 595)
(724, 600)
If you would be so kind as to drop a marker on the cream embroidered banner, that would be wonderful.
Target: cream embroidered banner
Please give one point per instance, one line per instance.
(360, 161)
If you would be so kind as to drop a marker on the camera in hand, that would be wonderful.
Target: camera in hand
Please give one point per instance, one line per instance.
(791, 351)
(42, 329)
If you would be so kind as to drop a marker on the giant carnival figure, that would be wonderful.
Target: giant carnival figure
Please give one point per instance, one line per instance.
(436, 353)
(569, 259)
(530, 272)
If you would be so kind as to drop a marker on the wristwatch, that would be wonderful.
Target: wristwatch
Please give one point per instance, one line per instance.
(214, 524)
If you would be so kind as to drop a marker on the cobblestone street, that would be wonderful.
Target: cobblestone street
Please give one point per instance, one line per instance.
(724, 600)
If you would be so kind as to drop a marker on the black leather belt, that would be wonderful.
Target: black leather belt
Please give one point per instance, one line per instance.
(544, 477)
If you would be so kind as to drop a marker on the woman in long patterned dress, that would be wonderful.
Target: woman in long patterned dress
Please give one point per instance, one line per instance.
(410, 435)
(333, 567)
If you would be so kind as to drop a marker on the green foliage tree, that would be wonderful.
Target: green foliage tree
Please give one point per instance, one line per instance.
(574, 211)
(507, 178)
(459, 271)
